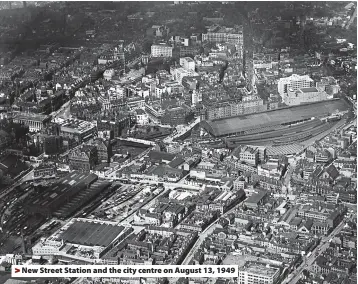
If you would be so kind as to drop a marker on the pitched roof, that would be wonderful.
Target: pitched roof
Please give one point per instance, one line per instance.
(256, 197)
(308, 224)
(332, 171)
(176, 162)
(295, 221)
(160, 156)
(164, 170)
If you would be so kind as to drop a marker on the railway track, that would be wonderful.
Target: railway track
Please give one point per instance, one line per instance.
(279, 132)
(281, 137)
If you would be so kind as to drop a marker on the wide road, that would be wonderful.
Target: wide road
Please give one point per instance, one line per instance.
(202, 236)
(288, 175)
(181, 131)
(64, 112)
(130, 218)
(172, 185)
(308, 262)
(112, 173)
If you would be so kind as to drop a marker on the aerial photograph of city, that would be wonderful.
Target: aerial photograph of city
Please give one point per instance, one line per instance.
(186, 133)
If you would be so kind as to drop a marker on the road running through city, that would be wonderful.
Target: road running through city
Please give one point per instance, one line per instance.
(294, 277)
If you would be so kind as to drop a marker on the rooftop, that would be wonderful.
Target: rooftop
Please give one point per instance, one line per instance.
(161, 45)
(76, 125)
(248, 149)
(260, 269)
(91, 233)
(189, 59)
(309, 90)
(275, 117)
(219, 29)
(61, 189)
(160, 156)
(31, 116)
(256, 197)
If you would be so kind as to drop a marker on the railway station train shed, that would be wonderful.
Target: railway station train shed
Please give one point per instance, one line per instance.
(271, 120)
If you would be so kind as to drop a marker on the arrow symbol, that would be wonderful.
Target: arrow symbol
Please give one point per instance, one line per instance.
(17, 270)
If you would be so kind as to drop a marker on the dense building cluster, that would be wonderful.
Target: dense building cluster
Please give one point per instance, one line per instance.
(181, 133)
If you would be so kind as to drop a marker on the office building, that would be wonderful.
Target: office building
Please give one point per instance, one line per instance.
(196, 97)
(45, 170)
(249, 155)
(293, 83)
(189, 50)
(177, 115)
(79, 129)
(304, 95)
(83, 158)
(329, 85)
(114, 127)
(187, 63)
(103, 149)
(255, 273)
(180, 72)
(161, 50)
(223, 34)
(249, 104)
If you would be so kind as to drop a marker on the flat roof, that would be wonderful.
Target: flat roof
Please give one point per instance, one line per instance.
(188, 59)
(222, 29)
(91, 233)
(31, 116)
(236, 124)
(157, 155)
(161, 45)
(76, 125)
(261, 269)
(256, 197)
(309, 90)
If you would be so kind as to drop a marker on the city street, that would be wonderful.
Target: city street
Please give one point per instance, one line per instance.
(64, 112)
(202, 236)
(286, 182)
(128, 127)
(307, 264)
(112, 173)
(182, 131)
(129, 219)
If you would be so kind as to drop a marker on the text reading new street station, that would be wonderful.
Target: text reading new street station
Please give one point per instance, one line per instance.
(125, 271)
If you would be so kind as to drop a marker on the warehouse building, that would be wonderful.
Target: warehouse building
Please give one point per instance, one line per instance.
(304, 95)
(83, 239)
